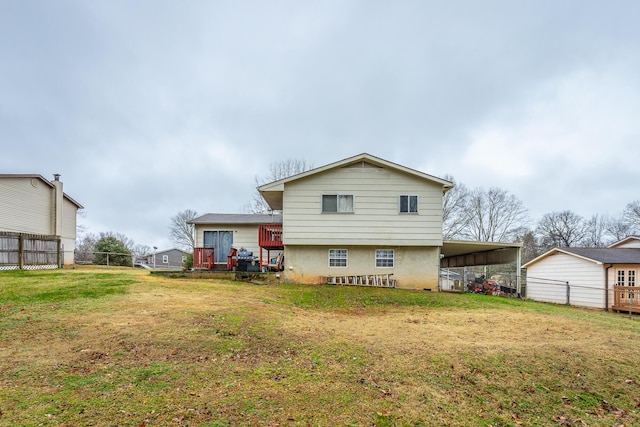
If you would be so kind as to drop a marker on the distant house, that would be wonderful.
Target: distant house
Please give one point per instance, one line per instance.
(33, 205)
(172, 259)
(603, 278)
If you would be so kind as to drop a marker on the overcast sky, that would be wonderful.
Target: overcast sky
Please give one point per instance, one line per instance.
(148, 108)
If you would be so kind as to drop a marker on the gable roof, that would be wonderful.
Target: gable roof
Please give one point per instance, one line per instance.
(623, 241)
(220, 218)
(43, 179)
(272, 192)
(595, 255)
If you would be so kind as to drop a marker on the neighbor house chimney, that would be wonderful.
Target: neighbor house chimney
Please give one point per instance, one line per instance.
(58, 197)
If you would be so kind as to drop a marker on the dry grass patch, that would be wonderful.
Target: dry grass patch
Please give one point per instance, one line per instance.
(216, 353)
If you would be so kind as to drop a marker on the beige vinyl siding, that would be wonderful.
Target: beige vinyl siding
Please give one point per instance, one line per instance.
(69, 211)
(414, 267)
(376, 219)
(26, 208)
(546, 281)
(632, 243)
(244, 235)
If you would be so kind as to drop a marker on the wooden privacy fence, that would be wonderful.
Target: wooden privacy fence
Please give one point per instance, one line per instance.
(29, 251)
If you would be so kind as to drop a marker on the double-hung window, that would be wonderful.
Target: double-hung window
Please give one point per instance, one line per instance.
(165, 259)
(338, 257)
(337, 203)
(408, 203)
(384, 258)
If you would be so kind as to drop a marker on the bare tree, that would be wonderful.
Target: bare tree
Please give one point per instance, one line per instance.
(619, 227)
(181, 233)
(563, 229)
(531, 247)
(454, 210)
(85, 248)
(493, 215)
(140, 251)
(595, 230)
(277, 170)
(632, 214)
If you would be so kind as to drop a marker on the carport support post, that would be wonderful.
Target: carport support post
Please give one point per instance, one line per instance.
(519, 271)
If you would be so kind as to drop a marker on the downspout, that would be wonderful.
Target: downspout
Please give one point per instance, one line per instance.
(606, 287)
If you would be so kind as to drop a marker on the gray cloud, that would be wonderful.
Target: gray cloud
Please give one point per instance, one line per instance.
(149, 108)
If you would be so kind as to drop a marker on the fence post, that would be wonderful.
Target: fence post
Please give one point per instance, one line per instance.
(20, 251)
(59, 260)
(568, 294)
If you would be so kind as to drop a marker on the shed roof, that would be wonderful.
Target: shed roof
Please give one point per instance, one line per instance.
(272, 192)
(222, 218)
(625, 240)
(596, 255)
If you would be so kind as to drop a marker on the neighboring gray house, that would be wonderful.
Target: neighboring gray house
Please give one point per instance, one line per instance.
(172, 259)
(31, 204)
(603, 278)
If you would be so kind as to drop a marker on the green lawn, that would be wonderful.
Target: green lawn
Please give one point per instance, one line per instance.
(97, 346)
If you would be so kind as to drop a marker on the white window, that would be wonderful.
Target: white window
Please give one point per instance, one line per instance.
(632, 277)
(620, 278)
(408, 204)
(184, 259)
(165, 259)
(338, 257)
(337, 203)
(384, 257)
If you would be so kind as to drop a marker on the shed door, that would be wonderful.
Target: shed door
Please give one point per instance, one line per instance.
(221, 242)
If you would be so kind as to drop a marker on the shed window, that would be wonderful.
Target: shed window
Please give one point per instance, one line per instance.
(337, 203)
(620, 278)
(384, 258)
(338, 257)
(408, 204)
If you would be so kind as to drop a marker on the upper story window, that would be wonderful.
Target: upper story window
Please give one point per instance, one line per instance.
(337, 203)
(408, 204)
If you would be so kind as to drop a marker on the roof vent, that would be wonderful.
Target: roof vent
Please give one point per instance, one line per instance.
(56, 177)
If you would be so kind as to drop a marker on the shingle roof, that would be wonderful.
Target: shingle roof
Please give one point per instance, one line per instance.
(608, 255)
(217, 218)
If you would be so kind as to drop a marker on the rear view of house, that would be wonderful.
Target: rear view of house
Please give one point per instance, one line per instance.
(361, 216)
(30, 205)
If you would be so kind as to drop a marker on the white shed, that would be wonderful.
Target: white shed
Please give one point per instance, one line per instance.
(587, 277)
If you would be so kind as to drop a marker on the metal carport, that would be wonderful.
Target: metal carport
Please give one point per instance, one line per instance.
(460, 253)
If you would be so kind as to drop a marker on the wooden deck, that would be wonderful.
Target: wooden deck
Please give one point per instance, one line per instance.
(270, 236)
(626, 299)
(203, 258)
(269, 239)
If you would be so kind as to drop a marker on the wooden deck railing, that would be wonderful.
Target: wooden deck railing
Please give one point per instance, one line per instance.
(626, 298)
(270, 236)
(203, 258)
